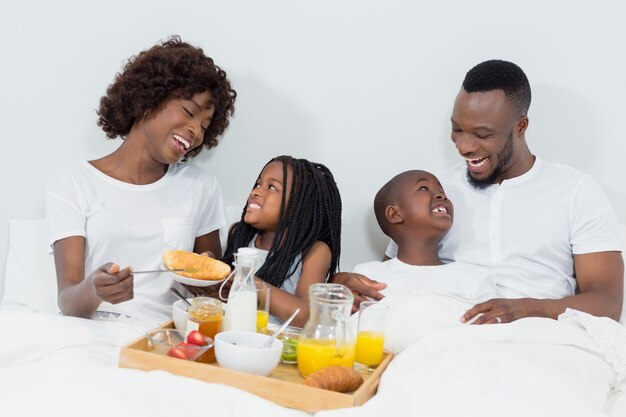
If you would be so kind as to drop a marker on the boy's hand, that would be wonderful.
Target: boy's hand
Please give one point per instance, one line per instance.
(363, 288)
(112, 284)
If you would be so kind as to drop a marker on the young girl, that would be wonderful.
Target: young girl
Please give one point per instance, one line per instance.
(126, 208)
(293, 215)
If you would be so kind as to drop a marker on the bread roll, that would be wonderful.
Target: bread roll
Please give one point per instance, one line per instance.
(198, 266)
(335, 378)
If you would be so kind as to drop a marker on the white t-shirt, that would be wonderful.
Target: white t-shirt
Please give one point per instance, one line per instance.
(527, 228)
(132, 225)
(456, 279)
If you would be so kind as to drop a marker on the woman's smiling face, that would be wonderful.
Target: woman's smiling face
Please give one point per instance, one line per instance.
(177, 127)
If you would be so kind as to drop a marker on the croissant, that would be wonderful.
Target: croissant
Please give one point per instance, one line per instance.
(335, 378)
(195, 266)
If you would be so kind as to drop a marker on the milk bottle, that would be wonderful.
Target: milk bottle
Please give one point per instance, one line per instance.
(241, 307)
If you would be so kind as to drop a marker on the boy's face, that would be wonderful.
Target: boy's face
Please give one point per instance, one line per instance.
(423, 204)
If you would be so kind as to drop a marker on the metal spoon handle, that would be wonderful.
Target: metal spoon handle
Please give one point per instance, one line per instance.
(179, 295)
(269, 341)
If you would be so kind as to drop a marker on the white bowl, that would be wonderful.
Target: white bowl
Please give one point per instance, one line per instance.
(241, 351)
(179, 314)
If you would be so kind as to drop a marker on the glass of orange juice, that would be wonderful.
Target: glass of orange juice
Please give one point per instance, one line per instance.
(262, 306)
(370, 339)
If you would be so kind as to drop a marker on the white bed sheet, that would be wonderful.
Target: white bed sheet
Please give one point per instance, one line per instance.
(575, 366)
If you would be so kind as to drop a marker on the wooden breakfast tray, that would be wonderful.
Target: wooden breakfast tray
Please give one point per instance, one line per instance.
(284, 385)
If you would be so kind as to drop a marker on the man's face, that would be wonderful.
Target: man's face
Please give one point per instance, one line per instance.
(487, 131)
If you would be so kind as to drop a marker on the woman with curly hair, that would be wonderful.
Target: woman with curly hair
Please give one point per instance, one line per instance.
(168, 103)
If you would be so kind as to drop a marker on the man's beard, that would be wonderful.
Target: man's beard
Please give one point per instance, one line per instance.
(504, 159)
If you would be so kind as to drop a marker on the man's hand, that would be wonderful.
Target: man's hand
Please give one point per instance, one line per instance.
(363, 288)
(112, 284)
(504, 310)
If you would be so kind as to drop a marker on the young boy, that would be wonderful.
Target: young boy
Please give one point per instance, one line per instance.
(413, 210)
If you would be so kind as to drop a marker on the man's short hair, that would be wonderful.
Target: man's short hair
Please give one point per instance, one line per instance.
(500, 75)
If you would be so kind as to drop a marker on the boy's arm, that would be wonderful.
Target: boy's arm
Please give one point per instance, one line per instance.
(601, 283)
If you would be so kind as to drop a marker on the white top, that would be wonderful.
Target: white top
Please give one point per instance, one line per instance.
(456, 279)
(132, 225)
(527, 228)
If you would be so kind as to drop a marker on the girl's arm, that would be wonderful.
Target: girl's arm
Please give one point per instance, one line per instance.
(314, 270)
(78, 295)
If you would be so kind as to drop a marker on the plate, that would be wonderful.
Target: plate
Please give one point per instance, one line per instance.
(192, 281)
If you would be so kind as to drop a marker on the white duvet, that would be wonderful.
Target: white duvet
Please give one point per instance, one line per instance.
(576, 366)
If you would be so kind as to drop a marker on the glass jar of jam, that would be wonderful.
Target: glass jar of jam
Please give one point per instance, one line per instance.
(205, 315)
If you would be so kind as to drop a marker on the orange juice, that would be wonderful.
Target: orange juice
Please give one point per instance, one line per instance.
(314, 354)
(369, 347)
(262, 318)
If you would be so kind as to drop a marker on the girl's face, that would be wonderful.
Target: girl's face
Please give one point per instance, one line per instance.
(263, 207)
(177, 127)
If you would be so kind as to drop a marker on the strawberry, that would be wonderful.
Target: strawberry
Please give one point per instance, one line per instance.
(177, 352)
(196, 338)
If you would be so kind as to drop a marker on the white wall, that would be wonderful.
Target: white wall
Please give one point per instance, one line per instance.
(365, 87)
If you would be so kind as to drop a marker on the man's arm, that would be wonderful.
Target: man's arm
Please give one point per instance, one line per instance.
(600, 279)
(363, 288)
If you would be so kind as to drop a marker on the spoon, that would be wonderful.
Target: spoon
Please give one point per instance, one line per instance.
(269, 341)
(179, 295)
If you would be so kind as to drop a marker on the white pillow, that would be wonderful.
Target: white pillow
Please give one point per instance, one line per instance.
(30, 277)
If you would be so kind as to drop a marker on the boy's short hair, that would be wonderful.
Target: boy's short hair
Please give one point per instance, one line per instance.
(387, 195)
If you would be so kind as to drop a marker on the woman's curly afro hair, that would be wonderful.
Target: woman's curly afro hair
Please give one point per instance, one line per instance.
(174, 69)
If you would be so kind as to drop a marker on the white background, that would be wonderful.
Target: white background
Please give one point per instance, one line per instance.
(365, 87)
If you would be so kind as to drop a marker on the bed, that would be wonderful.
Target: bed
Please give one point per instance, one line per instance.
(51, 364)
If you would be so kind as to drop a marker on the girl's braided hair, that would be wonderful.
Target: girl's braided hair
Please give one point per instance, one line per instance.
(312, 213)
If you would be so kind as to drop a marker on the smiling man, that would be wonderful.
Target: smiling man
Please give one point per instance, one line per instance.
(546, 231)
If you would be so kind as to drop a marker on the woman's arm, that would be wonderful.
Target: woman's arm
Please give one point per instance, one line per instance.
(209, 243)
(78, 295)
(314, 270)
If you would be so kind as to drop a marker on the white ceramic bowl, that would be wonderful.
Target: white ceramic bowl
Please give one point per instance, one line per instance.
(179, 314)
(241, 351)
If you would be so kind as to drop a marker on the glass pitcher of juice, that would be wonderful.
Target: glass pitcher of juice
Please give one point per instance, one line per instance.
(326, 337)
